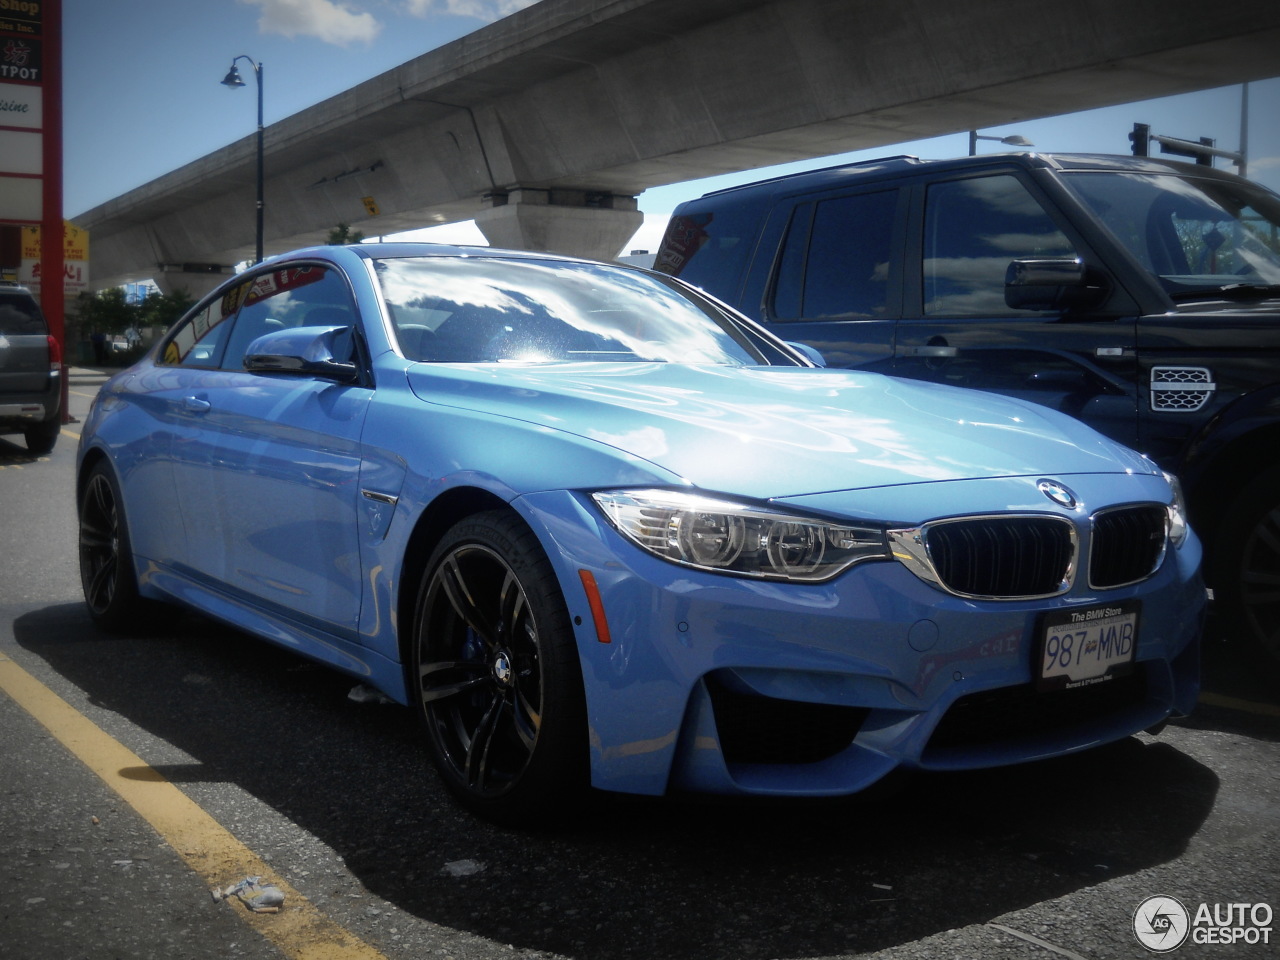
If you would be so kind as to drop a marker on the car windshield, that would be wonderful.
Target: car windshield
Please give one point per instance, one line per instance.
(1198, 235)
(481, 309)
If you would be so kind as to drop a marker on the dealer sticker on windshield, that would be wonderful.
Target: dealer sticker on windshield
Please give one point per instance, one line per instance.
(1082, 647)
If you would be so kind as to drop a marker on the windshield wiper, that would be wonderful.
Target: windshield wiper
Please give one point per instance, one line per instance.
(1229, 291)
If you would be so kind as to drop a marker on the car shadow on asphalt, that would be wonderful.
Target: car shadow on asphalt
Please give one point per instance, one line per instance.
(678, 878)
(15, 454)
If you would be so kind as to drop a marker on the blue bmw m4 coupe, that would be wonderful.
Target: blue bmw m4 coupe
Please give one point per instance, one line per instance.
(597, 530)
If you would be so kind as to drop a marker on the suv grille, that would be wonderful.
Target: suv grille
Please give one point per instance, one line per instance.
(1128, 545)
(1003, 556)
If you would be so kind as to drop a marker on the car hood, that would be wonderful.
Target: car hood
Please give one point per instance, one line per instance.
(770, 432)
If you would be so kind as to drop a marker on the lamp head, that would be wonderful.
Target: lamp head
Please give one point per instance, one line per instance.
(232, 79)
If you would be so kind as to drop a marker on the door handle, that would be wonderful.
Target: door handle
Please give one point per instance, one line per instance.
(197, 405)
(930, 351)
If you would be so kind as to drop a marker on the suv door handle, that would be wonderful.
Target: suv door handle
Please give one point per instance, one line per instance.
(930, 351)
(196, 405)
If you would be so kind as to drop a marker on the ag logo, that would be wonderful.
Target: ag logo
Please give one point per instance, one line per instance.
(1161, 924)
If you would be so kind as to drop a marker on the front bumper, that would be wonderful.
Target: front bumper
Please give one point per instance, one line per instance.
(719, 684)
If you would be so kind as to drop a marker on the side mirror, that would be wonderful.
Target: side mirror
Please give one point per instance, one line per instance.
(1051, 284)
(305, 352)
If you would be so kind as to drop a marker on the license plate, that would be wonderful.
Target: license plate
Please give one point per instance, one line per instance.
(1082, 647)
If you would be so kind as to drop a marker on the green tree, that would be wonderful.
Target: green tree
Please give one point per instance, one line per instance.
(109, 311)
(161, 309)
(106, 311)
(342, 234)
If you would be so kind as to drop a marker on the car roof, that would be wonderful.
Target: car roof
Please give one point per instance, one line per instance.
(904, 165)
(376, 250)
(372, 250)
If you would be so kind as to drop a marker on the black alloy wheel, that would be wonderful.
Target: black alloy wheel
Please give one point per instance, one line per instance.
(1247, 568)
(499, 685)
(106, 560)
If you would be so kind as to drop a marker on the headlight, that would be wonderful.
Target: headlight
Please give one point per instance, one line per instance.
(1177, 512)
(727, 537)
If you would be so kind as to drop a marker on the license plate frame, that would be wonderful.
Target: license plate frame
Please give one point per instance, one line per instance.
(1084, 646)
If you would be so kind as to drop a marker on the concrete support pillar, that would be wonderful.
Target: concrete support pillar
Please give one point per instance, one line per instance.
(578, 223)
(196, 278)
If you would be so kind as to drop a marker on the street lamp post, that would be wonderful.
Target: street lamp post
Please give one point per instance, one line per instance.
(232, 79)
(1013, 140)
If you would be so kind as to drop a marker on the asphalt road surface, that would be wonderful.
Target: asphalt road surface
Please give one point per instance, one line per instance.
(138, 773)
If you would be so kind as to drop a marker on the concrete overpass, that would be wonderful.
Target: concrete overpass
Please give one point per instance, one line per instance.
(545, 126)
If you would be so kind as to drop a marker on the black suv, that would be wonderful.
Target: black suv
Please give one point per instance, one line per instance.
(1141, 296)
(30, 371)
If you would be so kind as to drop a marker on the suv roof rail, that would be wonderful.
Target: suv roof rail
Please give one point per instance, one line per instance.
(905, 157)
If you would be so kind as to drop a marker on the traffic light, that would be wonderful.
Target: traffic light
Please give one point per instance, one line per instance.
(1140, 138)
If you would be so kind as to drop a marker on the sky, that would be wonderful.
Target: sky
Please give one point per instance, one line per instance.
(143, 96)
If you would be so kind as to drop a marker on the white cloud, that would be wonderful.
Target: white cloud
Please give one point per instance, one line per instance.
(328, 20)
(486, 10)
(1261, 163)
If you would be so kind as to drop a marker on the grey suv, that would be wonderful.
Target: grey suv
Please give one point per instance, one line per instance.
(30, 371)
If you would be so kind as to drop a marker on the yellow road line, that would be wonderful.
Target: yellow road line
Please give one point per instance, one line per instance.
(1235, 703)
(300, 931)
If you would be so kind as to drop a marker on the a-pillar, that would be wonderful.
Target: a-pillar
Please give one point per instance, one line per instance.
(195, 278)
(578, 223)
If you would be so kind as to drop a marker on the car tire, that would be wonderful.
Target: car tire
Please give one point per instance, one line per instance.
(495, 676)
(107, 575)
(41, 439)
(1246, 567)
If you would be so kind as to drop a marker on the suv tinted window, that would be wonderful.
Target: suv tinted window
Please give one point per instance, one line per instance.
(835, 261)
(715, 246)
(19, 314)
(972, 229)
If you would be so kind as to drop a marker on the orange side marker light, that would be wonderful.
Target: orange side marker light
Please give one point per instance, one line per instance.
(597, 606)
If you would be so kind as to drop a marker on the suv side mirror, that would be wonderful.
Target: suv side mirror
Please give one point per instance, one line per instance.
(304, 351)
(1051, 284)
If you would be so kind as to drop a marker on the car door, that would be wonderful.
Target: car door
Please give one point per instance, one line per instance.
(162, 459)
(268, 465)
(957, 329)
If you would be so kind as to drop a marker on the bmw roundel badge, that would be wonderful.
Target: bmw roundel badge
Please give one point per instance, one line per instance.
(1059, 493)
